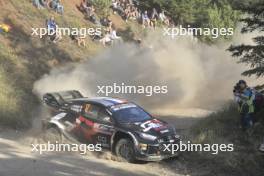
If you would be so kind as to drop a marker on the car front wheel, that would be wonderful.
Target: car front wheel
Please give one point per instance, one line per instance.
(125, 150)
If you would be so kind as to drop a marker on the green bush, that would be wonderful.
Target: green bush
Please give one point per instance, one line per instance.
(102, 7)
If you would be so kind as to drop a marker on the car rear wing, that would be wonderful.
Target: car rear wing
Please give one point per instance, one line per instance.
(58, 100)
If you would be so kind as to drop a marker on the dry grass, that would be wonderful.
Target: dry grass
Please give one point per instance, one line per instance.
(223, 128)
(23, 58)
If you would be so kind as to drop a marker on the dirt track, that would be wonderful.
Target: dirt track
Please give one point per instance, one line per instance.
(16, 159)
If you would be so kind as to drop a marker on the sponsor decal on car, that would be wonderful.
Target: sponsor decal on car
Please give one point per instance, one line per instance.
(103, 128)
(122, 106)
(76, 108)
(152, 124)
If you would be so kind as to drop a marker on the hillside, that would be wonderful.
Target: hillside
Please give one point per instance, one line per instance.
(25, 58)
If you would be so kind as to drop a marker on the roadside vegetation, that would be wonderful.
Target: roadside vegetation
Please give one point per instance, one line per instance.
(223, 128)
(25, 58)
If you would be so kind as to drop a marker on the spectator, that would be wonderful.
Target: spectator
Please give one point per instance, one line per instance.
(53, 4)
(51, 25)
(106, 39)
(90, 10)
(244, 97)
(91, 14)
(114, 36)
(45, 3)
(145, 19)
(80, 39)
(162, 16)
(134, 13)
(126, 9)
(4, 28)
(127, 13)
(84, 7)
(154, 13)
(164, 19)
(57, 37)
(37, 4)
(53, 31)
(109, 26)
(154, 17)
(130, 2)
(57, 6)
(106, 21)
(115, 6)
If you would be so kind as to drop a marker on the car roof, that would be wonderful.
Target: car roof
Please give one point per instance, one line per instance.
(104, 101)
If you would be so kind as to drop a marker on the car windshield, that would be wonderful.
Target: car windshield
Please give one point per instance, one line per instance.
(128, 113)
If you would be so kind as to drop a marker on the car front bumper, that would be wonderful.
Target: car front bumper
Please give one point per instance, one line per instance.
(155, 157)
(155, 152)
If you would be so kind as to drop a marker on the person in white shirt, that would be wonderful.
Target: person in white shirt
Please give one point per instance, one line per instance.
(106, 39)
(114, 36)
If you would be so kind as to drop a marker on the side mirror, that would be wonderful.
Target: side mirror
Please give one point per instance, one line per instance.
(107, 119)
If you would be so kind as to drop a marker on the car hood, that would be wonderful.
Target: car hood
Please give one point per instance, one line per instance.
(154, 127)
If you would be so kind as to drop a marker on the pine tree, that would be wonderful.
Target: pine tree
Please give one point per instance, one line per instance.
(252, 55)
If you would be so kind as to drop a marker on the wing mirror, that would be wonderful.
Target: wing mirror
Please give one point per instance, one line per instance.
(107, 119)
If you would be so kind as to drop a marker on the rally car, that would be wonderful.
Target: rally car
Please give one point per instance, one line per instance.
(122, 127)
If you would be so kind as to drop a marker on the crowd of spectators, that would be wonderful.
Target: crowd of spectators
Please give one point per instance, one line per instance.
(110, 36)
(55, 5)
(127, 9)
(88, 9)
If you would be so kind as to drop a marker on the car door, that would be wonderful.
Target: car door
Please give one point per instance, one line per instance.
(86, 122)
(104, 128)
(96, 125)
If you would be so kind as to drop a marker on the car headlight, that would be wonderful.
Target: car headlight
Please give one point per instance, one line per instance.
(148, 136)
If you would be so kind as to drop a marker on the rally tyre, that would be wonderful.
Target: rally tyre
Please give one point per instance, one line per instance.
(53, 135)
(125, 150)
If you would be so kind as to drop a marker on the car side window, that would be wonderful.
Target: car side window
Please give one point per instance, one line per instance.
(91, 111)
(70, 117)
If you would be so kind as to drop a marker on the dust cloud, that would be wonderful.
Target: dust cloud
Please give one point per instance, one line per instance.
(197, 75)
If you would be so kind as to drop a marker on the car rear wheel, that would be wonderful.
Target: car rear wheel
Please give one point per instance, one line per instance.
(53, 135)
(125, 150)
